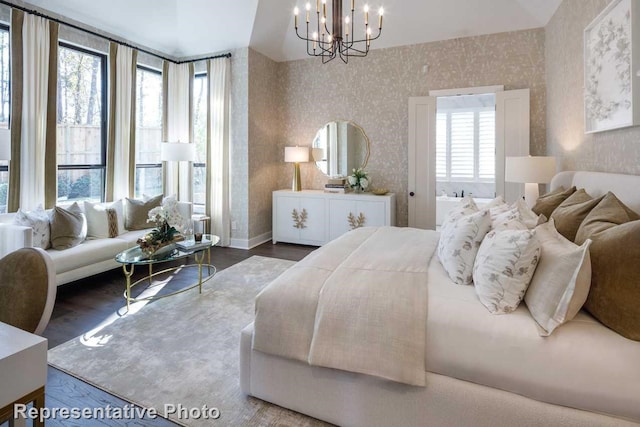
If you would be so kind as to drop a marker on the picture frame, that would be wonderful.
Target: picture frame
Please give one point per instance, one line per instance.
(612, 67)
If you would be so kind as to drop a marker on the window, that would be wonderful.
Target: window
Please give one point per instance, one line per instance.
(148, 132)
(200, 139)
(465, 144)
(82, 117)
(5, 109)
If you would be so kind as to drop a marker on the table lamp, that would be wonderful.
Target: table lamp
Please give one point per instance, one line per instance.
(530, 170)
(296, 155)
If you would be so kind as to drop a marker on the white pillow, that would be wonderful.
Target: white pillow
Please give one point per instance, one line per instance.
(39, 221)
(503, 269)
(519, 211)
(459, 244)
(561, 282)
(98, 220)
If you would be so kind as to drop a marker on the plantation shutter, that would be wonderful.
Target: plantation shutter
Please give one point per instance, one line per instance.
(486, 144)
(441, 145)
(462, 145)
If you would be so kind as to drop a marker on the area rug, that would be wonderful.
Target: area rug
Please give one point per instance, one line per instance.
(182, 350)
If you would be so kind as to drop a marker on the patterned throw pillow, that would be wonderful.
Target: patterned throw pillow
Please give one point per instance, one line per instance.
(504, 267)
(518, 216)
(112, 220)
(466, 207)
(459, 244)
(38, 220)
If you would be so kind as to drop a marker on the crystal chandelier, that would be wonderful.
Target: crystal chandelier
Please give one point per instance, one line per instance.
(341, 39)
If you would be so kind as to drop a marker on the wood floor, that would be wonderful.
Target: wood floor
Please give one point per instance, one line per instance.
(82, 305)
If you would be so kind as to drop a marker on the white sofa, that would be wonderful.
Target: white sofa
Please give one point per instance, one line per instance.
(91, 257)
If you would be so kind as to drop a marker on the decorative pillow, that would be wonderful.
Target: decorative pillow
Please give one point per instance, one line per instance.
(562, 279)
(38, 220)
(546, 204)
(518, 214)
(68, 227)
(459, 245)
(137, 212)
(569, 214)
(503, 269)
(98, 219)
(615, 256)
(609, 211)
(466, 207)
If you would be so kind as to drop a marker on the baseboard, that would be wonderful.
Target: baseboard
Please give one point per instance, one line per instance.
(250, 243)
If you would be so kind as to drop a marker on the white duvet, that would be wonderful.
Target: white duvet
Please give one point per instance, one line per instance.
(358, 304)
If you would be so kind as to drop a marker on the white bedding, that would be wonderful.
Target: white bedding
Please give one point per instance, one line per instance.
(582, 365)
(359, 304)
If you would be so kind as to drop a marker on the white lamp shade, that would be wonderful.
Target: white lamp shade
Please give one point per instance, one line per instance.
(177, 152)
(530, 169)
(5, 144)
(296, 154)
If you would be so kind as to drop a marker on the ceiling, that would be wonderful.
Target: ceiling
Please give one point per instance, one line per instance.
(186, 28)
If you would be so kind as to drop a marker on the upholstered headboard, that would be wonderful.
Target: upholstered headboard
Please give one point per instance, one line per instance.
(625, 187)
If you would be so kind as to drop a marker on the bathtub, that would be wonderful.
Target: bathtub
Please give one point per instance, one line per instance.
(445, 203)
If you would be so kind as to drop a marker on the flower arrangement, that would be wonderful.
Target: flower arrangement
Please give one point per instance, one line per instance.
(167, 219)
(358, 180)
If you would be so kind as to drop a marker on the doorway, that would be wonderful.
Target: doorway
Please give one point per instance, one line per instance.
(452, 136)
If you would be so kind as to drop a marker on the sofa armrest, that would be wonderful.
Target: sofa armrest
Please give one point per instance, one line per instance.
(14, 237)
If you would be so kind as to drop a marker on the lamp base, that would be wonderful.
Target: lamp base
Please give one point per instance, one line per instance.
(296, 185)
(531, 193)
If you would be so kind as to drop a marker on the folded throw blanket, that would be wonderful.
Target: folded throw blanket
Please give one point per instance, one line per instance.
(358, 304)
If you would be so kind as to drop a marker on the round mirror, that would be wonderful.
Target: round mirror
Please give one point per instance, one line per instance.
(339, 147)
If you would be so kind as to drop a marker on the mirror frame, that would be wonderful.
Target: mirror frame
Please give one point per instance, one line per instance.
(366, 140)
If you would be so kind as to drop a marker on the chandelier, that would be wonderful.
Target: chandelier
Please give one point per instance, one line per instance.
(341, 39)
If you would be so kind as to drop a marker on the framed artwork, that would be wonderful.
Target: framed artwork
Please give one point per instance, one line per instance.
(612, 68)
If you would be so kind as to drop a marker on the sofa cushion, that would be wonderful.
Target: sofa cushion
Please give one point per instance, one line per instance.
(88, 252)
(137, 212)
(131, 237)
(569, 214)
(98, 219)
(38, 220)
(68, 227)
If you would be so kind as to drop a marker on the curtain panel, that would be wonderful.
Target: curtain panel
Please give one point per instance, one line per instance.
(121, 150)
(178, 114)
(13, 201)
(217, 199)
(38, 175)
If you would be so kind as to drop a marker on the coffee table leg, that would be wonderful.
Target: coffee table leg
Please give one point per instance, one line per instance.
(199, 257)
(127, 275)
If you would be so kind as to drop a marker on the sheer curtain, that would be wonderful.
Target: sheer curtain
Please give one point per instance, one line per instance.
(34, 166)
(179, 100)
(122, 135)
(217, 204)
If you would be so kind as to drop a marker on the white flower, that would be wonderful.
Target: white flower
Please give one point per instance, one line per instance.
(364, 182)
(352, 180)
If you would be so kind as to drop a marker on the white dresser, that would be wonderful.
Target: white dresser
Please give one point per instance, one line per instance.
(313, 217)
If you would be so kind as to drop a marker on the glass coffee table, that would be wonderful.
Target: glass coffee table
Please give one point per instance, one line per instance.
(136, 257)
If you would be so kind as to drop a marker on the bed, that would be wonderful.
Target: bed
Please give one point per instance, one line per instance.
(479, 369)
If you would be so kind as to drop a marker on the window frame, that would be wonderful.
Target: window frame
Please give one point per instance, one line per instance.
(200, 207)
(147, 165)
(476, 146)
(103, 118)
(7, 28)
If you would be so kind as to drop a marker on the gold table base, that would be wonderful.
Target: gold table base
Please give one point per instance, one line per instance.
(199, 258)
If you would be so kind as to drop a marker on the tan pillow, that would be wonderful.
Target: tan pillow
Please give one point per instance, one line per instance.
(615, 256)
(561, 282)
(610, 211)
(136, 212)
(68, 227)
(569, 214)
(546, 204)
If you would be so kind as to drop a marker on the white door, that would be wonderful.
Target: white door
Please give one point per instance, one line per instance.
(512, 137)
(422, 162)
(339, 210)
(313, 230)
(285, 225)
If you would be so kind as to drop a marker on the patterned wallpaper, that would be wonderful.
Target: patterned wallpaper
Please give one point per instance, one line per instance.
(374, 92)
(611, 151)
(265, 127)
